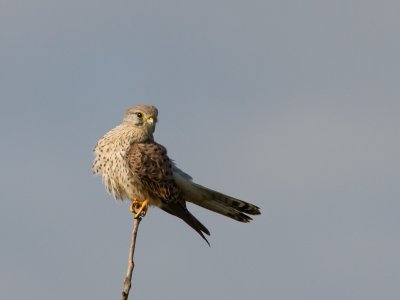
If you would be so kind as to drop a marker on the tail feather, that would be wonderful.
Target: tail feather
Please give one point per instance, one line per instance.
(182, 212)
(226, 211)
(227, 201)
(215, 201)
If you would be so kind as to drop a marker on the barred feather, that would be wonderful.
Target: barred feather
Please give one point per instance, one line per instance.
(213, 200)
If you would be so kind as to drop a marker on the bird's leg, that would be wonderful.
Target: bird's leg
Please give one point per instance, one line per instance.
(142, 207)
(135, 204)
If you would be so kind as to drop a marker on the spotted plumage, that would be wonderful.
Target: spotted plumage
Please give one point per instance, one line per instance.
(134, 166)
(152, 166)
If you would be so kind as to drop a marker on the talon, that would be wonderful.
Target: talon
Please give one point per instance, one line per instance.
(132, 208)
(142, 207)
(135, 204)
(138, 203)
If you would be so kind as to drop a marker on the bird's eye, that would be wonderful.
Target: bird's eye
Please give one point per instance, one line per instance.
(140, 115)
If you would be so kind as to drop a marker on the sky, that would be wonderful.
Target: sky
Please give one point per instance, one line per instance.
(291, 105)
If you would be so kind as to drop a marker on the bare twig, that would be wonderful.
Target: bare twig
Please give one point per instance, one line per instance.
(131, 264)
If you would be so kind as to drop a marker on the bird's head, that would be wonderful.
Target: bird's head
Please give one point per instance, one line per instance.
(142, 117)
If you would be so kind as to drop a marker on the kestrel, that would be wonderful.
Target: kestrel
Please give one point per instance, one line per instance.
(134, 167)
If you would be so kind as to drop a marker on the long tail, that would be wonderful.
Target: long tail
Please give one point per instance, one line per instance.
(182, 212)
(215, 201)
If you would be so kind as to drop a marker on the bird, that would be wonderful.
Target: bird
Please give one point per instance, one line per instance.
(134, 167)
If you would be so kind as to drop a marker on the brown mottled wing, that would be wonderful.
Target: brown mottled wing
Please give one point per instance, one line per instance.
(154, 169)
(150, 163)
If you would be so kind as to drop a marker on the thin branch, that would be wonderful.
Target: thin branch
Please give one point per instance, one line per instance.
(131, 264)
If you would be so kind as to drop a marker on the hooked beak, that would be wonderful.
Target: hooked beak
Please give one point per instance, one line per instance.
(150, 120)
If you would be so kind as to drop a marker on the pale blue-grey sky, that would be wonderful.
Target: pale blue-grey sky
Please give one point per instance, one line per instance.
(291, 105)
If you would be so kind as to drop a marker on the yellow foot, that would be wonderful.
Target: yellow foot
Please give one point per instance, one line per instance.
(132, 208)
(142, 207)
(136, 204)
